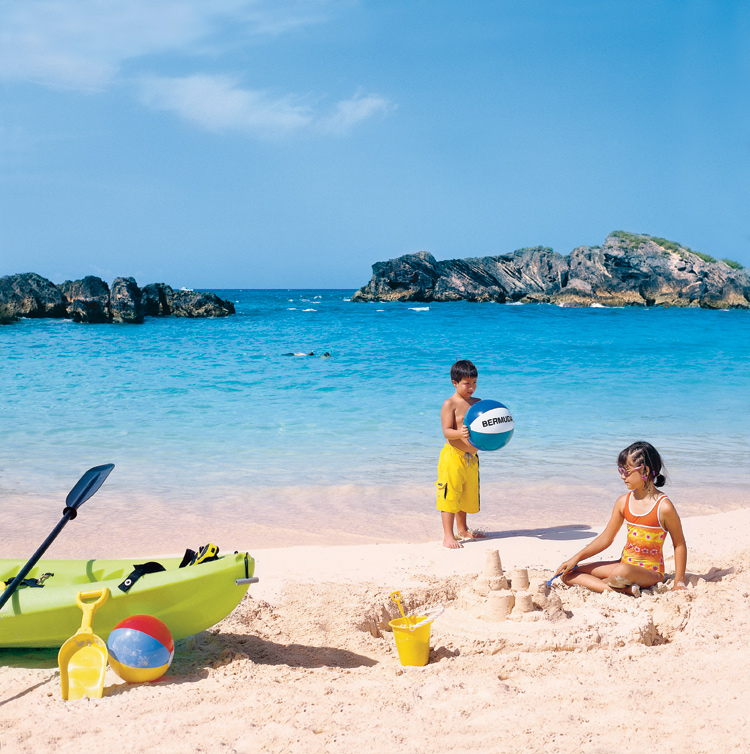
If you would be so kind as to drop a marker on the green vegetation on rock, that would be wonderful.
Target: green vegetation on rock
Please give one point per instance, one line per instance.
(540, 249)
(634, 240)
(705, 257)
(670, 245)
(734, 265)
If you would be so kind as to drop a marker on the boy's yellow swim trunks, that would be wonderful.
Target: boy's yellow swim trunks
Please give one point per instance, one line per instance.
(458, 481)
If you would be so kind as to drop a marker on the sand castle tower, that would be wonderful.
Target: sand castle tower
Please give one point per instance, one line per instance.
(492, 577)
(493, 598)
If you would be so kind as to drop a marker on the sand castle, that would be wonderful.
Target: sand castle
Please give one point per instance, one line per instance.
(493, 598)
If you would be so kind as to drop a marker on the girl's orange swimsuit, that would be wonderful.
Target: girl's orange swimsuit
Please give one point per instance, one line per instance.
(646, 538)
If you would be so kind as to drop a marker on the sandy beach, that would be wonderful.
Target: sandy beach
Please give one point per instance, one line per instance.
(306, 663)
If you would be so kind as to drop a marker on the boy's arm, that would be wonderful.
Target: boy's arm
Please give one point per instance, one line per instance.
(448, 420)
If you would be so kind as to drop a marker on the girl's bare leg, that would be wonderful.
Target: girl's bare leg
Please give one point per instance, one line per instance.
(597, 576)
(633, 574)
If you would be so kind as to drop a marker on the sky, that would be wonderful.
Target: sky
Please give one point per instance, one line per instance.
(293, 143)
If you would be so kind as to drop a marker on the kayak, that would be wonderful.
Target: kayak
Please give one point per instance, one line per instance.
(188, 600)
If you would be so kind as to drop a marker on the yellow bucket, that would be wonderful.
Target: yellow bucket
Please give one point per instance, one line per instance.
(412, 640)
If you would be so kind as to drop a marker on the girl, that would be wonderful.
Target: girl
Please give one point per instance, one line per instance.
(650, 516)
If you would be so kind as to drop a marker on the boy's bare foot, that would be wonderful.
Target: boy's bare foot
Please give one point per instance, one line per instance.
(451, 543)
(469, 534)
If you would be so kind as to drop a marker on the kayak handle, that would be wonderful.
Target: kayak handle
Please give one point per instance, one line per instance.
(253, 580)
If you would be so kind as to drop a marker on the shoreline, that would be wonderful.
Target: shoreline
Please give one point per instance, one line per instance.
(115, 524)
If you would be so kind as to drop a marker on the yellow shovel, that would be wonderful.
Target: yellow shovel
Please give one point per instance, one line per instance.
(83, 657)
(396, 597)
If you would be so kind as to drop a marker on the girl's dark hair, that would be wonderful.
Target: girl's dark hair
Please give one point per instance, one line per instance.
(644, 454)
(463, 370)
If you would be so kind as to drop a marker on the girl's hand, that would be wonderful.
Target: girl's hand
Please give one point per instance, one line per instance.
(568, 565)
(679, 586)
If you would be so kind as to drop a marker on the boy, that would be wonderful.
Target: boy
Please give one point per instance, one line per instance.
(458, 467)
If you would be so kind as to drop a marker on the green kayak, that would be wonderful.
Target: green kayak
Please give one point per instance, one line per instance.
(188, 599)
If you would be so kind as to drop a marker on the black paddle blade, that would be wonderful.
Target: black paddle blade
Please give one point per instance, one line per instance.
(87, 485)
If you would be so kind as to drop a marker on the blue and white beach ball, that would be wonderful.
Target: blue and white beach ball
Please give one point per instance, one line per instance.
(141, 648)
(490, 425)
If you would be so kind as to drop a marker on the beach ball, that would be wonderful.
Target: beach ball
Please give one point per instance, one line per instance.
(490, 425)
(140, 648)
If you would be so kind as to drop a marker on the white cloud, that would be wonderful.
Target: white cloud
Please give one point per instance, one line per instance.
(82, 44)
(218, 104)
(352, 111)
(92, 45)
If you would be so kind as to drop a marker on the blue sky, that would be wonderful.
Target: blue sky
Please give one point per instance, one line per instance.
(292, 143)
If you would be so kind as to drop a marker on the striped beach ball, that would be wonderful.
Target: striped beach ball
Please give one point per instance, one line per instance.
(141, 648)
(490, 425)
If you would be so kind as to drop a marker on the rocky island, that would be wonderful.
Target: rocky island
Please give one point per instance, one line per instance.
(626, 270)
(92, 300)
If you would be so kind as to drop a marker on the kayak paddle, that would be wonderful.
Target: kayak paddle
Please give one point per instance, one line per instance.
(87, 485)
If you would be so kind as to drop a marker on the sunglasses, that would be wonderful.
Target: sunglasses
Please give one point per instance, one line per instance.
(627, 472)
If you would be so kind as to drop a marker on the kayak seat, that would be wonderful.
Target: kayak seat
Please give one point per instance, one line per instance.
(205, 554)
(140, 570)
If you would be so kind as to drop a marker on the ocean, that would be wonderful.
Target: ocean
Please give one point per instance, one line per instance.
(217, 433)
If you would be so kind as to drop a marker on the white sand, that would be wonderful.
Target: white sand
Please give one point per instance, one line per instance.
(296, 668)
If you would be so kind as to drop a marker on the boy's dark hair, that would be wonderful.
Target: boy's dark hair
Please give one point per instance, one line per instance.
(644, 454)
(463, 370)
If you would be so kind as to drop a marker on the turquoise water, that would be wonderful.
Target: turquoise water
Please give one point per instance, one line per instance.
(208, 419)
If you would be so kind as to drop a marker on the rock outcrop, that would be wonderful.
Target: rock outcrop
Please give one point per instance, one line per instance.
(31, 295)
(160, 300)
(196, 304)
(155, 300)
(88, 299)
(627, 270)
(125, 301)
(91, 300)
